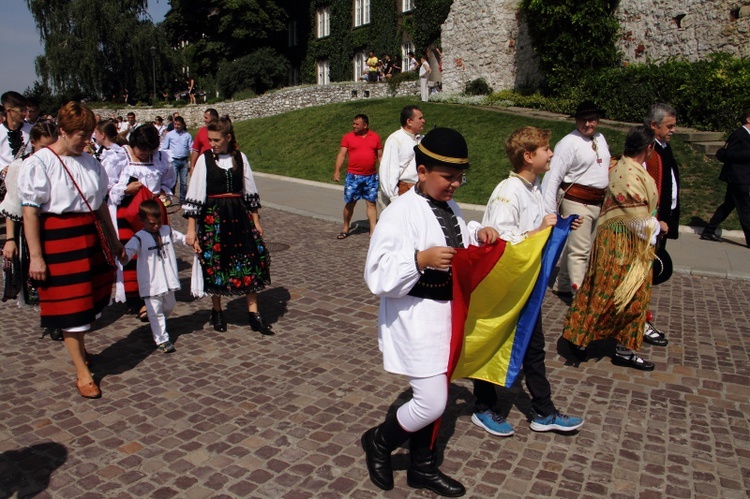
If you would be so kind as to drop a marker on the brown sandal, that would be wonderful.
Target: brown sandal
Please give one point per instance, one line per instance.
(89, 390)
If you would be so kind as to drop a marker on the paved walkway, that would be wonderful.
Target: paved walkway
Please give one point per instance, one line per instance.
(236, 414)
(689, 253)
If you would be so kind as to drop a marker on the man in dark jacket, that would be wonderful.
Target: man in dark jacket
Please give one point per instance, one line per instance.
(662, 166)
(736, 173)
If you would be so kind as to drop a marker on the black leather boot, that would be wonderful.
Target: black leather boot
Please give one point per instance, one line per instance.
(217, 319)
(378, 444)
(257, 324)
(423, 472)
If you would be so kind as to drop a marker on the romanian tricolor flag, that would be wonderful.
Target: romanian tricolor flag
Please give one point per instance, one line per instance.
(497, 297)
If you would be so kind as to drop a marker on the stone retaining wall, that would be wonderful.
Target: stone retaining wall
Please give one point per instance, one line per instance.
(278, 102)
(489, 39)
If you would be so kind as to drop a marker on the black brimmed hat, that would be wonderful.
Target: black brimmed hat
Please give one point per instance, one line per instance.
(588, 107)
(662, 269)
(443, 146)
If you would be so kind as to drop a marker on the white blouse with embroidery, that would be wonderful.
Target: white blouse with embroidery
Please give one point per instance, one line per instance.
(157, 175)
(43, 183)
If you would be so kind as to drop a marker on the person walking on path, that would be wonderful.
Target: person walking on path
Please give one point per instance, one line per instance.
(398, 172)
(736, 173)
(662, 166)
(411, 248)
(179, 143)
(61, 191)
(200, 143)
(224, 228)
(365, 150)
(516, 210)
(157, 269)
(613, 299)
(576, 185)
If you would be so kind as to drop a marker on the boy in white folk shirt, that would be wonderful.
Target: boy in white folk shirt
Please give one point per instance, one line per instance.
(158, 278)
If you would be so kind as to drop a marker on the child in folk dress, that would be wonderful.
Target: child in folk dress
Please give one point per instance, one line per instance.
(157, 269)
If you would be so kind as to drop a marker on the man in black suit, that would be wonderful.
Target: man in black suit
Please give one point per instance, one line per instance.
(736, 173)
(662, 166)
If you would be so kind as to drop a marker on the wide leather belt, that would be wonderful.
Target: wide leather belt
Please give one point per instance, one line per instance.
(583, 193)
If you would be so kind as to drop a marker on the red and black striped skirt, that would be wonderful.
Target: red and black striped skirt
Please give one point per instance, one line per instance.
(79, 281)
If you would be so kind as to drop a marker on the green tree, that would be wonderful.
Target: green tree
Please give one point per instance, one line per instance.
(213, 32)
(259, 71)
(96, 49)
(571, 37)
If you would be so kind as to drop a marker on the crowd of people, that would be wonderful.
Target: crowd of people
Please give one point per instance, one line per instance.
(623, 207)
(85, 206)
(379, 70)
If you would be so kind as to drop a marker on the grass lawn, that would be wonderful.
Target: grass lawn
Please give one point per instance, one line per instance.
(304, 144)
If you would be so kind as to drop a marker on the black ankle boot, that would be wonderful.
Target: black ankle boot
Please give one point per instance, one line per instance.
(423, 472)
(217, 319)
(257, 324)
(378, 444)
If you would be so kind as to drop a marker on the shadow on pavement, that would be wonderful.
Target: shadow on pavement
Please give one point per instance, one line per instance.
(26, 472)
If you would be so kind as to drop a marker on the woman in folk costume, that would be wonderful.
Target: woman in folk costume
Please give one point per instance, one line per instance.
(61, 191)
(111, 155)
(146, 168)
(15, 249)
(224, 228)
(614, 297)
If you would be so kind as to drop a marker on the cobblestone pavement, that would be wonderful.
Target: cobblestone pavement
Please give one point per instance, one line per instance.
(236, 414)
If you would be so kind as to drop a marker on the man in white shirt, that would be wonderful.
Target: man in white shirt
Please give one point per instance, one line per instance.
(14, 132)
(576, 184)
(398, 172)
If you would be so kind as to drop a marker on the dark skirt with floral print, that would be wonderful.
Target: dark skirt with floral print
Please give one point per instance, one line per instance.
(234, 257)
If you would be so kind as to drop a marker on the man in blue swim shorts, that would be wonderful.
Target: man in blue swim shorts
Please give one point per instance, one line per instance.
(364, 149)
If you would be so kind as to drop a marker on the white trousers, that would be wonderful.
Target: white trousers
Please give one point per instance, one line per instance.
(575, 256)
(427, 404)
(424, 90)
(158, 309)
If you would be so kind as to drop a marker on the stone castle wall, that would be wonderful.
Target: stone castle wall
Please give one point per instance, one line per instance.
(281, 101)
(489, 39)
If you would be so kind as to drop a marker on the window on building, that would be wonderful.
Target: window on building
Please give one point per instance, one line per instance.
(361, 12)
(324, 21)
(407, 5)
(293, 33)
(324, 72)
(360, 65)
(405, 49)
(293, 76)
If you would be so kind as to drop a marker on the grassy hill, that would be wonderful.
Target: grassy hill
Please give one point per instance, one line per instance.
(304, 144)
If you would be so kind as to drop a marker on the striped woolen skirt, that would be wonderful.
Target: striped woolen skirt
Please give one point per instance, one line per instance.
(79, 281)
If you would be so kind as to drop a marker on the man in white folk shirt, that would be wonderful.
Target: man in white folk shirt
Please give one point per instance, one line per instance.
(398, 171)
(576, 185)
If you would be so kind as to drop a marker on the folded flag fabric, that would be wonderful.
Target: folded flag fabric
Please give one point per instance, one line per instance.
(497, 297)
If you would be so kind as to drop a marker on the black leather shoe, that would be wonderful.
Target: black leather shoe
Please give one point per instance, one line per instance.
(633, 361)
(436, 481)
(710, 236)
(653, 336)
(656, 340)
(257, 324)
(378, 460)
(217, 319)
(423, 472)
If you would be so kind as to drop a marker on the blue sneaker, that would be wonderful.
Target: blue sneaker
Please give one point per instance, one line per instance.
(557, 421)
(493, 423)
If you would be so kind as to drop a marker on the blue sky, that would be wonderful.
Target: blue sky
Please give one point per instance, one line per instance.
(20, 42)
